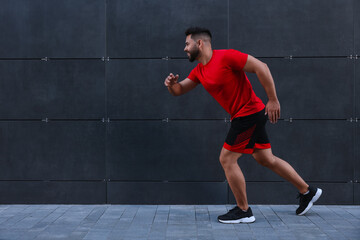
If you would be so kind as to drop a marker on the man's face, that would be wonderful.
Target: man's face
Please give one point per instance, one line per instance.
(191, 48)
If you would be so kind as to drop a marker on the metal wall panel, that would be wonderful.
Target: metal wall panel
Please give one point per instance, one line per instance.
(357, 153)
(23, 89)
(41, 192)
(356, 193)
(52, 151)
(144, 36)
(160, 32)
(357, 27)
(34, 89)
(318, 150)
(135, 89)
(357, 88)
(76, 89)
(161, 151)
(357, 124)
(135, 150)
(33, 29)
(311, 88)
(284, 193)
(297, 28)
(166, 193)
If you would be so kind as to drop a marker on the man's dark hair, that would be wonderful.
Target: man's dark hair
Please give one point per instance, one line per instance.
(197, 32)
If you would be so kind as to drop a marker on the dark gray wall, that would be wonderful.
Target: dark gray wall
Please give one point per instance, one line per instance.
(85, 118)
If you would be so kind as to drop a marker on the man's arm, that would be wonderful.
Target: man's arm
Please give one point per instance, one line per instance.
(177, 89)
(263, 73)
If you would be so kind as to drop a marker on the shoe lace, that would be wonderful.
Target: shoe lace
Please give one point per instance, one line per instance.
(302, 198)
(299, 196)
(233, 209)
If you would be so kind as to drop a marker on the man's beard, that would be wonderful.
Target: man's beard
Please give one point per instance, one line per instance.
(194, 53)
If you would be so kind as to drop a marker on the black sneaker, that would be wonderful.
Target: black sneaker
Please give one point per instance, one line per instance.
(306, 201)
(236, 215)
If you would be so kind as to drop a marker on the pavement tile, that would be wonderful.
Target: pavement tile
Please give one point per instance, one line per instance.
(334, 234)
(181, 230)
(9, 235)
(138, 231)
(353, 210)
(97, 235)
(116, 234)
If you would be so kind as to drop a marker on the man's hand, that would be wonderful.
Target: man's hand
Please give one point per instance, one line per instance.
(272, 109)
(171, 80)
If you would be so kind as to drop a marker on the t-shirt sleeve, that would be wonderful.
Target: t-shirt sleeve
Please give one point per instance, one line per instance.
(192, 76)
(236, 59)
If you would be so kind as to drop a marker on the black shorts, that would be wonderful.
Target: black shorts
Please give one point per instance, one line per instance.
(248, 133)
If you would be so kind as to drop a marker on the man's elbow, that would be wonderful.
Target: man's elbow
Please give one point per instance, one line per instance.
(262, 69)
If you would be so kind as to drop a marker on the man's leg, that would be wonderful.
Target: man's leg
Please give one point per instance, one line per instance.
(242, 212)
(234, 176)
(282, 168)
(308, 195)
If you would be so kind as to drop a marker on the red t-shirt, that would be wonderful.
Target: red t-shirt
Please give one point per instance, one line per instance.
(225, 80)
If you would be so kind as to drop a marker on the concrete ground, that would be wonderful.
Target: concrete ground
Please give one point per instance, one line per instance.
(174, 222)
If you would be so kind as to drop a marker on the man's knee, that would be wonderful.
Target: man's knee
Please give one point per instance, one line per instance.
(224, 160)
(227, 158)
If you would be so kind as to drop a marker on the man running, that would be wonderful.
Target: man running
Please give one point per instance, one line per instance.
(222, 74)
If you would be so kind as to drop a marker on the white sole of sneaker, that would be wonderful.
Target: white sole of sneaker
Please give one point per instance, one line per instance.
(314, 199)
(241, 220)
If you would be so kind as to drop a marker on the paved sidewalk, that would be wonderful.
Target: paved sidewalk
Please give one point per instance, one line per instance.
(174, 222)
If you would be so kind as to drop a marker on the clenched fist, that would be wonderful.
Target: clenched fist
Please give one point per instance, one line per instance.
(171, 80)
